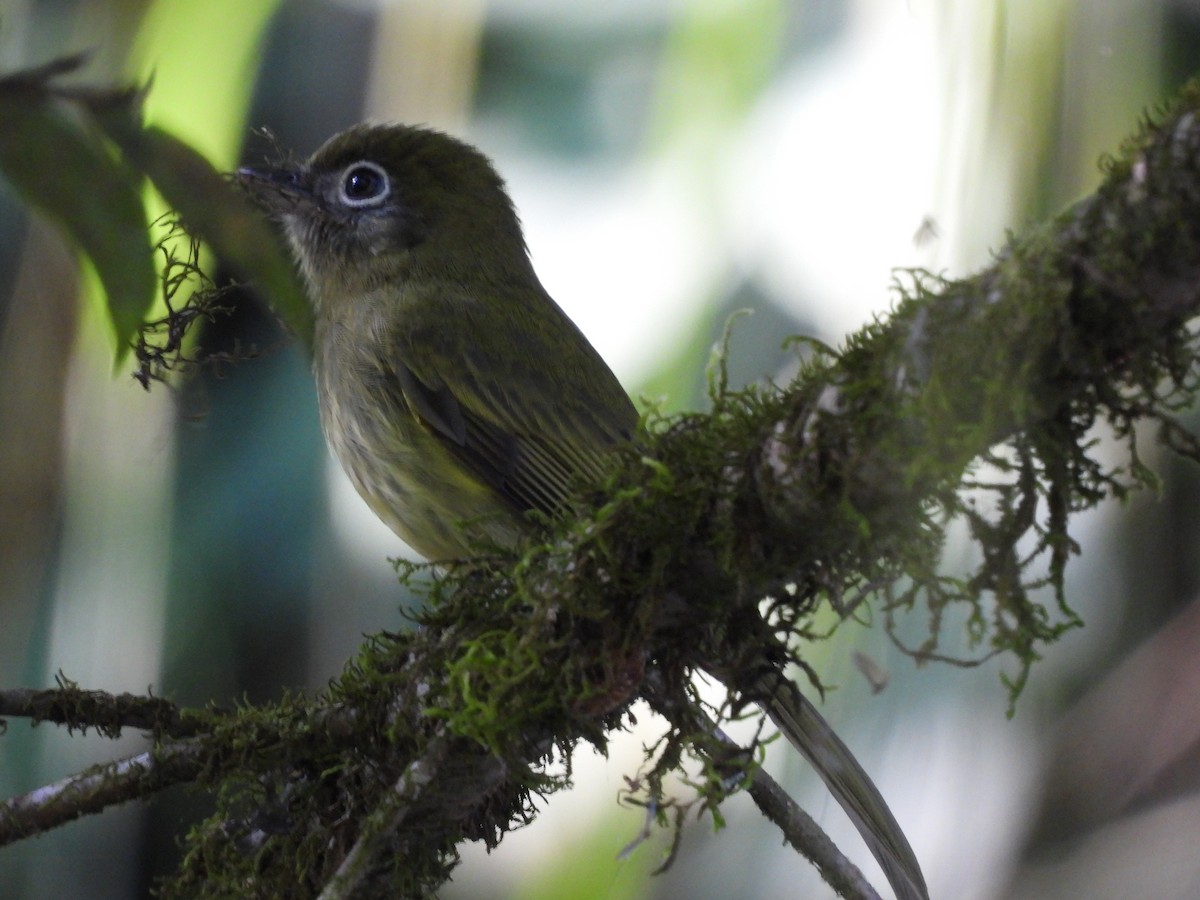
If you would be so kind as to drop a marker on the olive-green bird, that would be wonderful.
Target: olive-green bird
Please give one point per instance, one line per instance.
(456, 393)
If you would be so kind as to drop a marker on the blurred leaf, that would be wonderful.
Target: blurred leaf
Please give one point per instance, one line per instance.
(53, 150)
(64, 169)
(716, 61)
(215, 211)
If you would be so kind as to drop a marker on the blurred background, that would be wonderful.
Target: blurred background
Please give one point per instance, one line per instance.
(673, 162)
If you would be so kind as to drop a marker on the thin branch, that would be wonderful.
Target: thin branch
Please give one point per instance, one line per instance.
(108, 714)
(381, 826)
(803, 833)
(95, 789)
(799, 829)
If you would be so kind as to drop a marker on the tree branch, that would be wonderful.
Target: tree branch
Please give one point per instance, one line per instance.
(94, 790)
(107, 713)
(799, 829)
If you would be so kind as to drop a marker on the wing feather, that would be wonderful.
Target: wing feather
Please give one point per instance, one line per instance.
(532, 417)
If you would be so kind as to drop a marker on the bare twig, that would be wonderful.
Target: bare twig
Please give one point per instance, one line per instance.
(802, 833)
(108, 714)
(96, 789)
(799, 829)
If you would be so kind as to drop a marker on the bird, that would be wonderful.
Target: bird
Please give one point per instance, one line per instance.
(458, 395)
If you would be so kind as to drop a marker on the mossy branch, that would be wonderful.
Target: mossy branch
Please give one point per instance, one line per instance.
(976, 400)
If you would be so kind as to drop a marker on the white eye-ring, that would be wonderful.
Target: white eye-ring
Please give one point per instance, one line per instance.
(363, 184)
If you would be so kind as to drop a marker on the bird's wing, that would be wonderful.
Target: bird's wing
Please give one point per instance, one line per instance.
(530, 416)
(809, 733)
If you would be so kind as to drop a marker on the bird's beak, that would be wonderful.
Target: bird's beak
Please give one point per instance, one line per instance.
(279, 190)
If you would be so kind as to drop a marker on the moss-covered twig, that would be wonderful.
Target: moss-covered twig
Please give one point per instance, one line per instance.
(108, 714)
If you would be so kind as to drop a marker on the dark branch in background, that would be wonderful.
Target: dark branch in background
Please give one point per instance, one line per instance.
(835, 489)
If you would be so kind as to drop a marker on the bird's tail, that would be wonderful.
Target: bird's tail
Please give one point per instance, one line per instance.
(809, 733)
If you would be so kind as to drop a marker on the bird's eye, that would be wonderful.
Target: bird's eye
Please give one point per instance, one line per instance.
(364, 184)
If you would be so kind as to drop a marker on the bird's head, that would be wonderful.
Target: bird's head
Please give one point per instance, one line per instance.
(378, 203)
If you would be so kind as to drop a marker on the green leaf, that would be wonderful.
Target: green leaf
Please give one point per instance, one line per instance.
(214, 210)
(66, 171)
